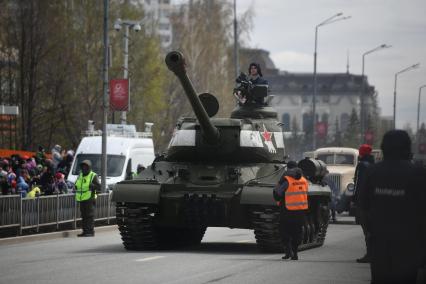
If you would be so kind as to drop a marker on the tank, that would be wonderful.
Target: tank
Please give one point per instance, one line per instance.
(216, 172)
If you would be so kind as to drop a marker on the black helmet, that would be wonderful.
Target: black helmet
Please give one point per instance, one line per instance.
(259, 71)
(291, 165)
(396, 145)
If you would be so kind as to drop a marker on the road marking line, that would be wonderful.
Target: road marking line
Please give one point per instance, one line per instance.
(244, 241)
(149, 258)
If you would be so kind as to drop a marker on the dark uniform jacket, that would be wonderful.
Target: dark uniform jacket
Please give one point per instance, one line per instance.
(394, 198)
(259, 81)
(360, 173)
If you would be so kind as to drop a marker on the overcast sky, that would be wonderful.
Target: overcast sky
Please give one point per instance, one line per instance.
(287, 30)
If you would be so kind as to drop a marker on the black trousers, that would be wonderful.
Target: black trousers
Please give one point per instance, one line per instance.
(363, 221)
(291, 229)
(394, 261)
(87, 209)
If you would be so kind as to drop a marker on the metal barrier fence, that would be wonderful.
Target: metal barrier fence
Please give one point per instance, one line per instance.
(26, 213)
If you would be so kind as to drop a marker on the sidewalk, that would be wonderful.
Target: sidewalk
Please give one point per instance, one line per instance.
(54, 235)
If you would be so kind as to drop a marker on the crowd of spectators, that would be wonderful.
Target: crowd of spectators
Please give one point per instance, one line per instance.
(38, 174)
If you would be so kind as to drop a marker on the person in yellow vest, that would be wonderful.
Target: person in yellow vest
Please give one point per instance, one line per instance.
(87, 185)
(291, 193)
(34, 192)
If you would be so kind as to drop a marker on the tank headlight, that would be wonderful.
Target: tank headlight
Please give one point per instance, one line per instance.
(350, 187)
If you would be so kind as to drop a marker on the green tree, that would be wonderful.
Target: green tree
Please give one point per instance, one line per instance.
(293, 143)
(373, 120)
(59, 52)
(337, 139)
(351, 135)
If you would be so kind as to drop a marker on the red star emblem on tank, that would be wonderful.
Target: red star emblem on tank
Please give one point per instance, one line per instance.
(266, 135)
(268, 141)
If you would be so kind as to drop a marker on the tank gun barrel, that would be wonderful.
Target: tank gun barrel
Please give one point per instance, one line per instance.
(176, 63)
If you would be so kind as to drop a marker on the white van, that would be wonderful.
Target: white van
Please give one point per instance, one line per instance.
(126, 149)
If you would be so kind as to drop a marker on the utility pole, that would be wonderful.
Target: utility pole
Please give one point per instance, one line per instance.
(236, 55)
(412, 67)
(362, 112)
(330, 20)
(105, 99)
(136, 26)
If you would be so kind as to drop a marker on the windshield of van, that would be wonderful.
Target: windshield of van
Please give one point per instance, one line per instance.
(336, 159)
(115, 164)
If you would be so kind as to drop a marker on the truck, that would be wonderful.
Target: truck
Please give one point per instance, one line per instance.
(126, 149)
(341, 164)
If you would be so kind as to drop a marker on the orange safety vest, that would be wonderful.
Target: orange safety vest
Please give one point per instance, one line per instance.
(296, 195)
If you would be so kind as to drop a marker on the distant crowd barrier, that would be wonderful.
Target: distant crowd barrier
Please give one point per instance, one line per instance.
(51, 210)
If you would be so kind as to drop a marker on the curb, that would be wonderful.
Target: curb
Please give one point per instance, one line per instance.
(54, 235)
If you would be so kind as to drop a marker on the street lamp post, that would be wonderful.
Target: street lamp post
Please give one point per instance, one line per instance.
(136, 26)
(330, 20)
(105, 105)
(412, 67)
(236, 57)
(362, 95)
(418, 109)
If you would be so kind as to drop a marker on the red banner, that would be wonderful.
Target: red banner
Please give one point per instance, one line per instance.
(422, 148)
(369, 137)
(321, 128)
(119, 94)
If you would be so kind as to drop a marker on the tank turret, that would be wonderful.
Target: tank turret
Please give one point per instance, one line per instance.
(176, 63)
(251, 134)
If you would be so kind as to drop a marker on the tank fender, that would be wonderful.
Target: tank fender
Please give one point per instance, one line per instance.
(139, 193)
(257, 195)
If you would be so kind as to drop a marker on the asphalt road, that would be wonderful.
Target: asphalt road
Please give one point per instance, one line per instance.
(225, 256)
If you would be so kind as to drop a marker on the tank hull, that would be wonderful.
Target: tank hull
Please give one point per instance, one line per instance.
(203, 196)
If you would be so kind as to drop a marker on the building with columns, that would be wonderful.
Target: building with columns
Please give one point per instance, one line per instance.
(338, 94)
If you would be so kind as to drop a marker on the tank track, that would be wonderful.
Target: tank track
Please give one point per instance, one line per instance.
(266, 224)
(136, 223)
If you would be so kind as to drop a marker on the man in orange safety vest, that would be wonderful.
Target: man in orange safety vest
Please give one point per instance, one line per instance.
(291, 193)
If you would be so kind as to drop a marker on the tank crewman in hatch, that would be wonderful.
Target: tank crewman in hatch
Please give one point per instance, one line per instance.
(364, 161)
(394, 199)
(291, 192)
(255, 74)
(87, 185)
(255, 78)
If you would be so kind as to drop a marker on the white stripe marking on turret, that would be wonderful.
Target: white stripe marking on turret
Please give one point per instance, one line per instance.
(249, 138)
(279, 140)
